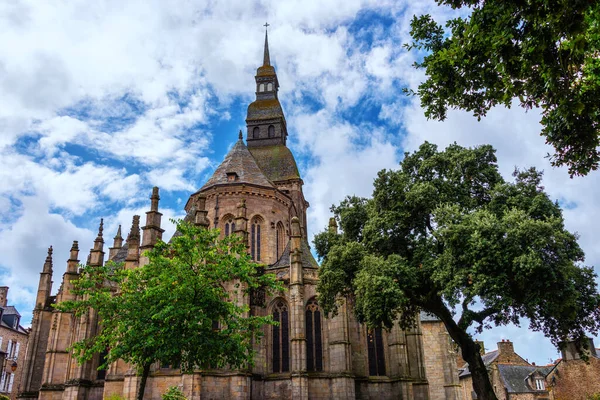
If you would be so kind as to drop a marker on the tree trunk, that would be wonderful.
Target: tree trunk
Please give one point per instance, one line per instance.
(142, 387)
(470, 353)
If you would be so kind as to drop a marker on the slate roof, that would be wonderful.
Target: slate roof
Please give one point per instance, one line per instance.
(487, 359)
(121, 254)
(10, 310)
(427, 317)
(515, 376)
(239, 161)
(308, 261)
(277, 162)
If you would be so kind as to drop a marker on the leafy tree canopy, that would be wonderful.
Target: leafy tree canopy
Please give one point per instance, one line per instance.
(168, 310)
(544, 53)
(445, 233)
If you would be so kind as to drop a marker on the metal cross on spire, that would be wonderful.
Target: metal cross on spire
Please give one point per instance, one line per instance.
(266, 25)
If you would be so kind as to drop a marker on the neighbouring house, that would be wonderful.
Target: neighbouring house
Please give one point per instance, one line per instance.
(512, 377)
(13, 341)
(573, 378)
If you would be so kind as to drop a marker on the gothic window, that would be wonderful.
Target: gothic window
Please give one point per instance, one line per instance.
(261, 87)
(281, 341)
(314, 342)
(269, 87)
(271, 131)
(101, 360)
(375, 352)
(229, 227)
(279, 240)
(255, 238)
(255, 133)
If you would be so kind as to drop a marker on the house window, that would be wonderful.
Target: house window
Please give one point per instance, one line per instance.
(314, 342)
(269, 87)
(539, 384)
(279, 240)
(261, 87)
(255, 238)
(271, 131)
(281, 341)
(255, 133)
(375, 352)
(6, 382)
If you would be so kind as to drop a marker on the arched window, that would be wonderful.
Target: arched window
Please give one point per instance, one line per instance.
(281, 339)
(255, 238)
(279, 240)
(255, 132)
(269, 87)
(229, 225)
(271, 131)
(375, 352)
(314, 342)
(261, 87)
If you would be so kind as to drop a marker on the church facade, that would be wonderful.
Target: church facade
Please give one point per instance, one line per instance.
(256, 193)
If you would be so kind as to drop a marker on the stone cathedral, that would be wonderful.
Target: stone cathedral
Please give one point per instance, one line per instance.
(256, 192)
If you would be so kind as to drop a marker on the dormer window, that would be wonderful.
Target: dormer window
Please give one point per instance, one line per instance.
(232, 176)
(539, 384)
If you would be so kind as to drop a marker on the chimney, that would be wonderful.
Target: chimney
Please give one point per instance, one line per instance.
(3, 296)
(481, 346)
(570, 350)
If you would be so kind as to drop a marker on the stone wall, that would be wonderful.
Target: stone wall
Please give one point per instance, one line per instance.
(7, 335)
(440, 362)
(575, 379)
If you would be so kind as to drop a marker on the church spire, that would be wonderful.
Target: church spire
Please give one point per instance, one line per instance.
(265, 120)
(266, 57)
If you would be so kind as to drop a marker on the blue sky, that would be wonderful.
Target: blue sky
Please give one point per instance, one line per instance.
(100, 101)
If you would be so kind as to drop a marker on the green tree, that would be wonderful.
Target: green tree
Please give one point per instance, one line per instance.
(544, 53)
(166, 311)
(445, 233)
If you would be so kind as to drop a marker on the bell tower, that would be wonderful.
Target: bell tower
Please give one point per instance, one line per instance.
(265, 120)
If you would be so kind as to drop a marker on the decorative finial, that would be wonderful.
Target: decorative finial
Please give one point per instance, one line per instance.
(75, 245)
(266, 58)
(118, 236)
(154, 199)
(101, 227)
(240, 136)
(49, 256)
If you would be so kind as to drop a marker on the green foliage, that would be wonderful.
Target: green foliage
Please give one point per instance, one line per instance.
(4, 397)
(543, 53)
(445, 233)
(164, 311)
(173, 393)
(595, 396)
(115, 397)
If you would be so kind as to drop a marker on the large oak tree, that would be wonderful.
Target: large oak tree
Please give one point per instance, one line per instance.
(445, 233)
(541, 53)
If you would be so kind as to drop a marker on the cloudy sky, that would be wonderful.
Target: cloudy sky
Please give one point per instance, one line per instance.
(100, 101)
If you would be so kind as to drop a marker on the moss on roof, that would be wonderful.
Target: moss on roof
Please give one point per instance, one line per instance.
(264, 109)
(265, 70)
(276, 162)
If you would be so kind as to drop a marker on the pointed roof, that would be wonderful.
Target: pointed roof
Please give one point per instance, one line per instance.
(238, 167)
(266, 57)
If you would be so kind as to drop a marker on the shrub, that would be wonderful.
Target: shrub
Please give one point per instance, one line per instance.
(173, 393)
